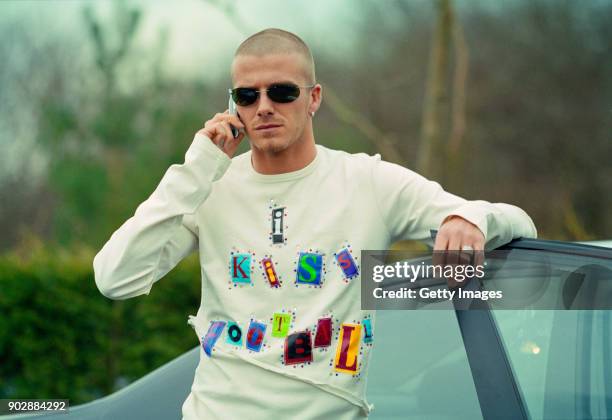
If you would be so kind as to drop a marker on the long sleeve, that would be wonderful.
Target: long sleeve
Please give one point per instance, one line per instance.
(162, 230)
(411, 206)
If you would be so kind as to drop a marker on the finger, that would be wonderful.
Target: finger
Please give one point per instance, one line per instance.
(451, 257)
(466, 255)
(211, 130)
(441, 242)
(232, 144)
(228, 131)
(235, 121)
(219, 116)
(238, 139)
(479, 258)
(466, 258)
(235, 131)
(222, 135)
(479, 253)
(439, 249)
(454, 248)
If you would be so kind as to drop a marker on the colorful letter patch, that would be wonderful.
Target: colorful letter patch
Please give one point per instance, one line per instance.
(280, 325)
(270, 272)
(234, 334)
(255, 336)
(347, 263)
(368, 336)
(323, 335)
(209, 340)
(277, 225)
(298, 348)
(348, 349)
(309, 269)
(241, 268)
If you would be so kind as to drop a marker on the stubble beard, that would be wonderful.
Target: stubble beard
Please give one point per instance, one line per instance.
(272, 144)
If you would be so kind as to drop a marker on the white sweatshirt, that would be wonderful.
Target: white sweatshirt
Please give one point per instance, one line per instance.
(281, 330)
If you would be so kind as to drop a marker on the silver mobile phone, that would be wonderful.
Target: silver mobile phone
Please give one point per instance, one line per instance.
(232, 111)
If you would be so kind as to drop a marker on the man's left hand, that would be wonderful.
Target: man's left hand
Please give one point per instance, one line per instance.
(457, 234)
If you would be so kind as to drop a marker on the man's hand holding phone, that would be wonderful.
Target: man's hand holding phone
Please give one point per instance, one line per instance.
(219, 131)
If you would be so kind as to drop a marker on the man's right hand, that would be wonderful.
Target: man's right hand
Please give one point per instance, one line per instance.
(218, 130)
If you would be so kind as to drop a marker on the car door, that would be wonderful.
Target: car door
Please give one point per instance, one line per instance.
(509, 360)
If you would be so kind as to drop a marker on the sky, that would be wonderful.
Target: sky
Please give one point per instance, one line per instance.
(202, 38)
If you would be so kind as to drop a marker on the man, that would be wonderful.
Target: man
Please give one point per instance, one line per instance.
(279, 230)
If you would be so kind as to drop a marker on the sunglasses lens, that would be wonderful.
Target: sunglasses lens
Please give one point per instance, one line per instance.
(244, 96)
(283, 93)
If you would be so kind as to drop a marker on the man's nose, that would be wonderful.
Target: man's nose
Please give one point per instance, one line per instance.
(265, 105)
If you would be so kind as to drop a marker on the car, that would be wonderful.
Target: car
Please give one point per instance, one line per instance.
(490, 363)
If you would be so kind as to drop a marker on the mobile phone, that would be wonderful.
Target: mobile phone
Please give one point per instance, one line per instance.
(233, 111)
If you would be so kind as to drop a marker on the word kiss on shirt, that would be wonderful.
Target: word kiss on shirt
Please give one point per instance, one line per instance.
(309, 268)
(298, 346)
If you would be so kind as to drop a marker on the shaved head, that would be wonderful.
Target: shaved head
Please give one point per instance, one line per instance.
(277, 41)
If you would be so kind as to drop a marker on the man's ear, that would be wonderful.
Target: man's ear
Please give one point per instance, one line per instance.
(316, 96)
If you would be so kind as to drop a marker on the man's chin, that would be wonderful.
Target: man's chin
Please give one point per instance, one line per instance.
(269, 145)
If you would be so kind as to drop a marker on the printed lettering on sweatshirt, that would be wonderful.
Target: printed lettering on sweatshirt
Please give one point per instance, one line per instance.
(255, 336)
(368, 334)
(241, 267)
(310, 268)
(347, 352)
(298, 346)
(234, 334)
(323, 335)
(278, 227)
(211, 337)
(269, 272)
(280, 324)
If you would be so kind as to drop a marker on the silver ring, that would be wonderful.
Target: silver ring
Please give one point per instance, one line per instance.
(467, 248)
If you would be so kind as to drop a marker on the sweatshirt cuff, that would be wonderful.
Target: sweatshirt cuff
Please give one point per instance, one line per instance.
(474, 212)
(499, 222)
(202, 148)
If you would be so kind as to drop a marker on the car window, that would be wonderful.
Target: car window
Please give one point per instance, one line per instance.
(561, 359)
(419, 368)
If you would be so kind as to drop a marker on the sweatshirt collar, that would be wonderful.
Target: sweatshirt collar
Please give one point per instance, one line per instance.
(286, 176)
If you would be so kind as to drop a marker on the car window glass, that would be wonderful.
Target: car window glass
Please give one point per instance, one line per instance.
(419, 368)
(561, 358)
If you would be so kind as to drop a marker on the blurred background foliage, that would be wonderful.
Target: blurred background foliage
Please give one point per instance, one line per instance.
(502, 101)
(60, 337)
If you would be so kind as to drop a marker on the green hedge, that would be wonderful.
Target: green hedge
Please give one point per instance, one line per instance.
(60, 338)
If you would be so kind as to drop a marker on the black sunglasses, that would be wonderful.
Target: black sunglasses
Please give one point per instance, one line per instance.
(278, 92)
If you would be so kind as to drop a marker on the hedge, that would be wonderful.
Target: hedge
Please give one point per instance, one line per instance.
(61, 338)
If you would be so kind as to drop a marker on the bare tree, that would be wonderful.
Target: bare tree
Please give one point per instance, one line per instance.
(440, 156)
